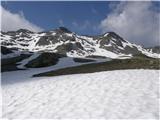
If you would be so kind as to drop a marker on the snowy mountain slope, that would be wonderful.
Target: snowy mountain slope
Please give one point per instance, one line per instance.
(63, 41)
(127, 94)
(155, 49)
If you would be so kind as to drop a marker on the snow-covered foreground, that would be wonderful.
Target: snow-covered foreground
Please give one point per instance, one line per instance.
(126, 94)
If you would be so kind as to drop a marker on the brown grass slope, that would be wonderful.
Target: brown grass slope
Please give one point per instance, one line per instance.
(137, 62)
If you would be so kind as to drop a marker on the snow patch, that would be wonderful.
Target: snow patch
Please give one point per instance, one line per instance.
(121, 94)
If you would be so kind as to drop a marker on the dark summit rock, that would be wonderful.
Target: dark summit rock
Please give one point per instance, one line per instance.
(155, 49)
(116, 36)
(24, 31)
(116, 44)
(49, 38)
(45, 40)
(63, 30)
(62, 49)
(112, 38)
(11, 33)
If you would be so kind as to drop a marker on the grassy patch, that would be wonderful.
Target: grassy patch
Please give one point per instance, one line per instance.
(45, 59)
(5, 50)
(10, 64)
(81, 60)
(137, 62)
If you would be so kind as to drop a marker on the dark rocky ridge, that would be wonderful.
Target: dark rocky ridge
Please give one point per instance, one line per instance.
(155, 49)
(67, 41)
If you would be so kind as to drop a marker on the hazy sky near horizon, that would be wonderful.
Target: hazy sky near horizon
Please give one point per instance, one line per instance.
(137, 22)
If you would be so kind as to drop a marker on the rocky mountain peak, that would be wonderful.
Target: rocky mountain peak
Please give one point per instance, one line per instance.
(63, 41)
(63, 30)
(24, 31)
(115, 36)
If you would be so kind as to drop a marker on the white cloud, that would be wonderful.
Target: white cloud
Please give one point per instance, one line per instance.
(94, 11)
(83, 26)
(135, 21)
(61, 23)
(75, 24)
(14, 21)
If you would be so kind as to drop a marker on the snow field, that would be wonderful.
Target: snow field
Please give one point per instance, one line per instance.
(121, 94)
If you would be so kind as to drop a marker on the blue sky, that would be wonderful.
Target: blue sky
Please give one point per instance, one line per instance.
(82, 17)
(138, 22)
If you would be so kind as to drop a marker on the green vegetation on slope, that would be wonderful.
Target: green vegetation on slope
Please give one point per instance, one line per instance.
(137, 62)
(10, 64)
(44, 60)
